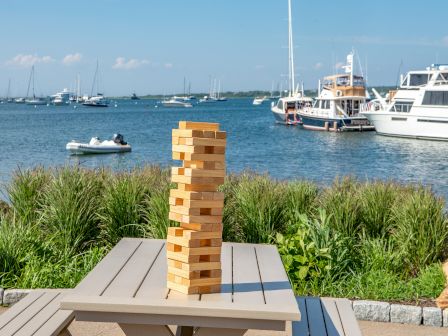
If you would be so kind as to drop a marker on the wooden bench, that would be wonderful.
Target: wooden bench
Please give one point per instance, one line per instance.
(37, 314)
(325, 317)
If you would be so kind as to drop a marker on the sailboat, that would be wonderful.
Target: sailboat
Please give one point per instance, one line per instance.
(98, 100)
(286, 109)
(8, 98)
(35, 100)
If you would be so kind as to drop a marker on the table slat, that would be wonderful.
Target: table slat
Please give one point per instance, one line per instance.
(246, 278)
(331, 316)
(301, 328)
(102, 275)
(127, 282)
(154, 285)
(19, 307)
(315, 317)
(276, 286)
(32, 310)
(226, 285)
(348, 319)
(41, 318)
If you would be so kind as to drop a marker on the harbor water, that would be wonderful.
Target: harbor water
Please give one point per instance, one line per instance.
(36, 136)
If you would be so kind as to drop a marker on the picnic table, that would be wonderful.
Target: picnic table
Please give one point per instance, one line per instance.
(128, 287)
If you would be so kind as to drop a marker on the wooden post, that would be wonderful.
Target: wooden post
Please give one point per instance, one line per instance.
(194, 248)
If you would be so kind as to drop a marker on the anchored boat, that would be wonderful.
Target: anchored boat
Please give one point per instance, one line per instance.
(339, 103)
(96, 146)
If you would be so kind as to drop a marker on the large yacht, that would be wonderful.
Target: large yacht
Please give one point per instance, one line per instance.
(418, 109)
(286, 109)
(339, 103)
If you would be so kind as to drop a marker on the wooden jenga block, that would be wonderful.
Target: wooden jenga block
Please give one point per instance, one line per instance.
(202, 126)
(197, 187)
(202, 142)
(199, 266)
(197, 180)
(190, 172)
(186, 258)
(194, 290)
(198, 157)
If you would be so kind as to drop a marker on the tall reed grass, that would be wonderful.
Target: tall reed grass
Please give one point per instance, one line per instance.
(350, 238)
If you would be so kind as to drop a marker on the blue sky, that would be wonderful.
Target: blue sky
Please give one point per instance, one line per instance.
(150, 46)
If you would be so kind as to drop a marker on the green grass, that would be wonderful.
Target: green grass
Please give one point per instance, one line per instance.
(358, 239)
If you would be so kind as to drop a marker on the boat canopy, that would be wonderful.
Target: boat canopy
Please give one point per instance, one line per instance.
(342, 80)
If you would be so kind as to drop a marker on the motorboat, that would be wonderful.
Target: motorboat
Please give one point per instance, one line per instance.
(259, 100)
(172, 102)
(208, 99)
(134, 97)
(19, 100)
(96, 101)
(286, 109)
(96, 146)
(418, 109)
(340, 100)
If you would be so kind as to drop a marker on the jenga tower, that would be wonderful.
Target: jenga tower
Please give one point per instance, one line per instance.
(194, 248)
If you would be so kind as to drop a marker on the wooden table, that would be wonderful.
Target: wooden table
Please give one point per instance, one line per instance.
(129, 287)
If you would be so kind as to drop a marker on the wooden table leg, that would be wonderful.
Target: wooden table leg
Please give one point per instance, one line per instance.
(184, 331)
(145, 329)
(220, 332)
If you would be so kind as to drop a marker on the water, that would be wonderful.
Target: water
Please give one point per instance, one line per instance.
(37, 136)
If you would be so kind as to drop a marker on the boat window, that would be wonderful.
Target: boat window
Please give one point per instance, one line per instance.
(401, 106)
(418, 79)
(435, 98)
(405, 81)
(280, 104)
(442, 77)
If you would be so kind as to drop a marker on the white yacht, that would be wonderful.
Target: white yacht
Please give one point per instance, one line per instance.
(173, 102)
(260, 100)
(285, 111)
(339, 103)
(418, 109)
(62, 98)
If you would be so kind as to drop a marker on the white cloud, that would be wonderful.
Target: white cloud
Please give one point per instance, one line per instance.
(28, 60)
(72, 58)
(318, 65)
(122, 63)
(168, 65)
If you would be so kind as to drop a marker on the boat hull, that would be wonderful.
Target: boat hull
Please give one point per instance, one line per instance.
(81, 148)
(280, 118)
(316, 123)
(95, 105)
(406, 125)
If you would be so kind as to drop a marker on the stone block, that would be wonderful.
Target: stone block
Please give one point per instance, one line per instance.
(432, 316)
(372, 310)
(406, 314)
(12, 296)
(445, 318)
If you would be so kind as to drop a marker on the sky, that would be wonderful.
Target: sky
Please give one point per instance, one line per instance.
(149, 47)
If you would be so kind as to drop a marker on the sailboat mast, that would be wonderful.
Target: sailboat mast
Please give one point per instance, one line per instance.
(9, 89)
(94, 79)
(29, 82)
(291, 52)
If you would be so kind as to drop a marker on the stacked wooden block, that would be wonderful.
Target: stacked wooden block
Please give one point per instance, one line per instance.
(194, 248)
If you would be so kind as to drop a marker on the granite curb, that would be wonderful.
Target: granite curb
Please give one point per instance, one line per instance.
(366, 310)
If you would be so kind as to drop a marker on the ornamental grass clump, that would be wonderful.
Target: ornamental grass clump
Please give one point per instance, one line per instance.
(70, 205)
(25, 192)
(420, 229)
(259, 208)
(121, 209)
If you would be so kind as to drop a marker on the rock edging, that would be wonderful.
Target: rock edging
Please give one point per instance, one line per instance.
(386, 312)
(366, 310)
